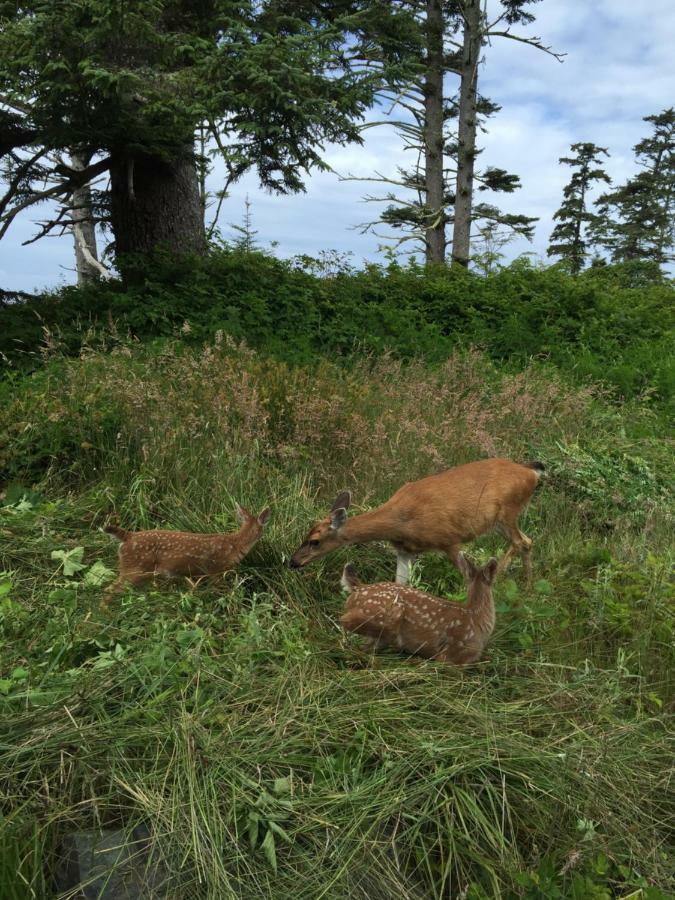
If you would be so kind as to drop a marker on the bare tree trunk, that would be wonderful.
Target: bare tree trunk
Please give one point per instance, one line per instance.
(466, 132)
(84, 228)
(155, 204)
(433, 134)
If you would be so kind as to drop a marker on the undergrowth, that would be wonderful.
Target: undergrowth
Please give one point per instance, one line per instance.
(612, 325)
(266, 751)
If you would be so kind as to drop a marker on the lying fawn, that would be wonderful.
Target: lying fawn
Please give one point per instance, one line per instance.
(146, 554)
(396, 616)
(440, 512)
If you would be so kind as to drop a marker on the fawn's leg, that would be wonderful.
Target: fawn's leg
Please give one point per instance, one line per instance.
(135, 579)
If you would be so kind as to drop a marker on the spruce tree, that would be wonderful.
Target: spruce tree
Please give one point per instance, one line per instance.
(637, 220)
(568, 238)
(127, 86)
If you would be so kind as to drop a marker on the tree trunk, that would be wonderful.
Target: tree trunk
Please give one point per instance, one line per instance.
(433, 134)
(84, 228)
(578, 254)
(155, 204)
(466, 132)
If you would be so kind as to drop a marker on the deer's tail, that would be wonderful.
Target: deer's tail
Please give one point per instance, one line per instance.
(538, 467)
(118, 533)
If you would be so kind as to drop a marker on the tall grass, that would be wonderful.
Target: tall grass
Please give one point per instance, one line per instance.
(264, 749)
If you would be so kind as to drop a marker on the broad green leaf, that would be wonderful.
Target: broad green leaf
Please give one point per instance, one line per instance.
(71, 560)
(98, 575)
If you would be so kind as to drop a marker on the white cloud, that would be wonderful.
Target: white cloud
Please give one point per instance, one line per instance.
(618, 68)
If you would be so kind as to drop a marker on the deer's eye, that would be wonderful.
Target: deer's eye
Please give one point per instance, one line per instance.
(314, 543)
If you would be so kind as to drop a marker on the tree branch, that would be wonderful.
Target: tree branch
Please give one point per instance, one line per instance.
(77, 178)
(532, 42)
(84, 249)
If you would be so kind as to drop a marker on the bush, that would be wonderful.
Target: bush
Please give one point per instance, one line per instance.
(608, 326)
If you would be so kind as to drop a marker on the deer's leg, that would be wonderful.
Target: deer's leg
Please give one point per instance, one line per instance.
(454, 554)
(135, 579)
(403, 562)
(520, 543)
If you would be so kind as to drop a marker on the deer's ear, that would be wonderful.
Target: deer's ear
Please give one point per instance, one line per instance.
(264, 516)
(342, 501)
(490, 570)
(466, 567)
(338, 517)
(242, 513)
(350, 580)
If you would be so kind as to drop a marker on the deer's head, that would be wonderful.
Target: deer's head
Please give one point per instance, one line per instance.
(252, 525)
(325, 535)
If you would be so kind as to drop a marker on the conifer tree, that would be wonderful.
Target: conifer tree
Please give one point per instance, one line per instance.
(568, 238)
(127, 86)
(636, 221)
(445, 41)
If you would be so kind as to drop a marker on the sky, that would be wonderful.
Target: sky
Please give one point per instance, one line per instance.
(618, 68)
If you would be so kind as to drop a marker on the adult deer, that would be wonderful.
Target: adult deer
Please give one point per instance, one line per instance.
(441, 512)
(170, 554)
(392, 615)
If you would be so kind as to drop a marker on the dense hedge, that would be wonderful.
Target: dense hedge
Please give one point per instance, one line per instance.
(610, 324)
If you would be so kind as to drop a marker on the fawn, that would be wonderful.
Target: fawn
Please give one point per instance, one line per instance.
(440, 512)
(146, 554)
(393, 615)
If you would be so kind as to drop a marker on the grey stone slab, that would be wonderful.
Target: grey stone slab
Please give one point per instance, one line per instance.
(109, 865)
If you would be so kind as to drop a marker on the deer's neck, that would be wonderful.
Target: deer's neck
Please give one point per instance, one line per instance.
(369, 526)
(480, 604)
(242, 541)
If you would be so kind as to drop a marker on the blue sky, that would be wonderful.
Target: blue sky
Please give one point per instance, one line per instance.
(619, 68)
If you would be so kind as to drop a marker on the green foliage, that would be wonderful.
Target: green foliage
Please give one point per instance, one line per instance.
(609, 325)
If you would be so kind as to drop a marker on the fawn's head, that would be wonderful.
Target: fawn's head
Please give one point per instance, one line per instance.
(324, 535)
(479, 580)
(252, 525)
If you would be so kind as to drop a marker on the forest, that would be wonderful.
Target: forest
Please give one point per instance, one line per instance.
(228, 736)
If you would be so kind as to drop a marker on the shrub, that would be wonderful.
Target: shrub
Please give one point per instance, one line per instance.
(607, 326)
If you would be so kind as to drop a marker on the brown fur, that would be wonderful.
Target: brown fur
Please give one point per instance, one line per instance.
(396, 616)
(146, 554)
(441, 512)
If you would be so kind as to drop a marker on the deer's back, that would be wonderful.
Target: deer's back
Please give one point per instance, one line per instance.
(176, 552)
(460, 504)
(417, 622)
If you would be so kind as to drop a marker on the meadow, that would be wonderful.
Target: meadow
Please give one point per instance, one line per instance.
(265, 751)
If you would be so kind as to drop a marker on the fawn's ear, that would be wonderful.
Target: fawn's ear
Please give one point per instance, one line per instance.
(242, 513)
(466, 567)
(338, 517)
(264, 516)
(490, 570)
(350, 580)
(342, 501)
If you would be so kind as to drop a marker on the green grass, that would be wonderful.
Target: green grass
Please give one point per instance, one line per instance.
(266, 751)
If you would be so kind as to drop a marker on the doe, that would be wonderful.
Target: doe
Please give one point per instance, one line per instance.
(440, 512)
(393, 615)
(146, 554)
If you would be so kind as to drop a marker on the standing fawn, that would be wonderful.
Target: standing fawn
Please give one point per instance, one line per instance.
(440, 512)
(146, 554)
(393, 615)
